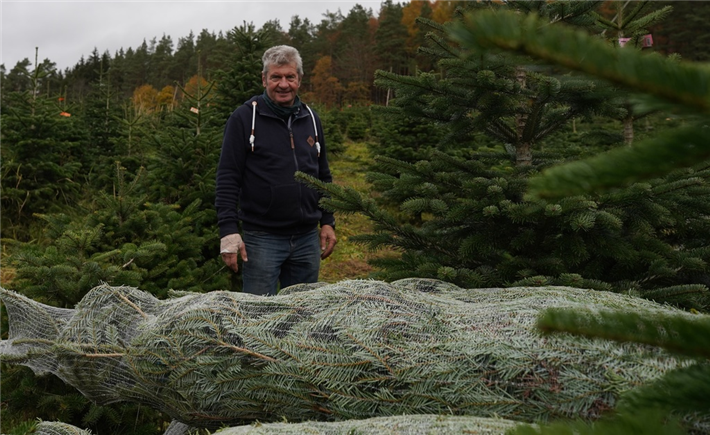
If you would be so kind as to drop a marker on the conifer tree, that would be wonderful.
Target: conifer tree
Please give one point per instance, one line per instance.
(182, 172)
(390, 38)
(241, 79)
(42, 149)
(515, 104)
(353, 56)
(18, 79)
(3, 81)
(150, 223)
(300, 35)
(161, 62)
(675, 154)
(123, 238)
(466, 219)
(685, 31)
(309, 353)
(101, 115)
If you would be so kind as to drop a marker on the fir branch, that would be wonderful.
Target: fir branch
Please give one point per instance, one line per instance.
(683, 390)
(684, 84)
(640, 26)
(683, 334)
(132, 305)
(650, 158)
(629, 17)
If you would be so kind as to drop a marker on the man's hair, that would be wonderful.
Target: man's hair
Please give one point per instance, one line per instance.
(282, 55)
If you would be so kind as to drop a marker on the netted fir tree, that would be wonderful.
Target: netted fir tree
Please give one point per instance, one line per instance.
(682, 87)
(332, 352)
(466, 220)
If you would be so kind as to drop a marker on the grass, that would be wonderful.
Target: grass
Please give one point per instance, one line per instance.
(7, 273)
(349, 260)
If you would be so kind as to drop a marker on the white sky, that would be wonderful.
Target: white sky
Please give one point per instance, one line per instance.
(65, 31)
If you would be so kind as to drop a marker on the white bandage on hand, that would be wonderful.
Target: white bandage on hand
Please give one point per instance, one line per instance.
(230, 244)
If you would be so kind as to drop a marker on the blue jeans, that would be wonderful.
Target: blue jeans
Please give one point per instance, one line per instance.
(284, 260)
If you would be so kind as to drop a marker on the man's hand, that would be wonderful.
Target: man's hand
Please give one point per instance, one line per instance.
(327, 241)
(230, 246)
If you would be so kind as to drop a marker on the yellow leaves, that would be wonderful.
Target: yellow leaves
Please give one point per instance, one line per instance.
(357, 93)
(167, 97)
(196, 86)
(326, 87)
(409, 15)
(443, 11)
(145, 99)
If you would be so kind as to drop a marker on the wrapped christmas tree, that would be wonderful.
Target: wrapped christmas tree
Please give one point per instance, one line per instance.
(57, 428)
(395, 425)
(349, 350)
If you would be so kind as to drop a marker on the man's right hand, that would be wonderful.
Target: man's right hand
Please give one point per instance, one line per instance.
(230, 246)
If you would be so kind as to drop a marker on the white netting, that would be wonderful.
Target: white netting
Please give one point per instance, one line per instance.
(350, 350)
(395, 425)
(57, 428)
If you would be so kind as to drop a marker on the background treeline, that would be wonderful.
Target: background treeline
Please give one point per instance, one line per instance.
(340, 54)
(108, 168)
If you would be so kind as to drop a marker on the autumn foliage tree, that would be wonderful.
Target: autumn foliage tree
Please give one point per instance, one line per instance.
(145, 99)
(326, 87)
(166, 98)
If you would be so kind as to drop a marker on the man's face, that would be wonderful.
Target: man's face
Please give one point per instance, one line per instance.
(281, 83)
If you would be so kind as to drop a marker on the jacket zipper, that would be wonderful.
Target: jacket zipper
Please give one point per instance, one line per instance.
(295, 161)
(293, 145)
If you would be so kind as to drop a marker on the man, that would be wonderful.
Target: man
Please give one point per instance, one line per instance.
(266, 141)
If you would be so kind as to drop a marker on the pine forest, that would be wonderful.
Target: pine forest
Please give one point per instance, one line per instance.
(522, 196)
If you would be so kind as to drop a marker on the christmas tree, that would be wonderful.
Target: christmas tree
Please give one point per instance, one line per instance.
(466, 218)
(331, 352)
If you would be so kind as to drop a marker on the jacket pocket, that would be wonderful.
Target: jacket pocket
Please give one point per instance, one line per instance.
(284, 203)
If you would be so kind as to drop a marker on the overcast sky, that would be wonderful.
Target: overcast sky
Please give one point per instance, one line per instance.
(65, 31)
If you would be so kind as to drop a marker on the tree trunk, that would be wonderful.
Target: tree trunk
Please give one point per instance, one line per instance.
(523, 153)
(629, 130)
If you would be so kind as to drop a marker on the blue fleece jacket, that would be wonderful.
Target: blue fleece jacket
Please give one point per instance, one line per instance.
(256, 185)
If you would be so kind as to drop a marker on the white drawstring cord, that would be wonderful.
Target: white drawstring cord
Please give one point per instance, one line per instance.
(315, 130)
(253, 119)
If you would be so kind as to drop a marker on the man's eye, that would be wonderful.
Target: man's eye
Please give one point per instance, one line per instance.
(288, 78)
